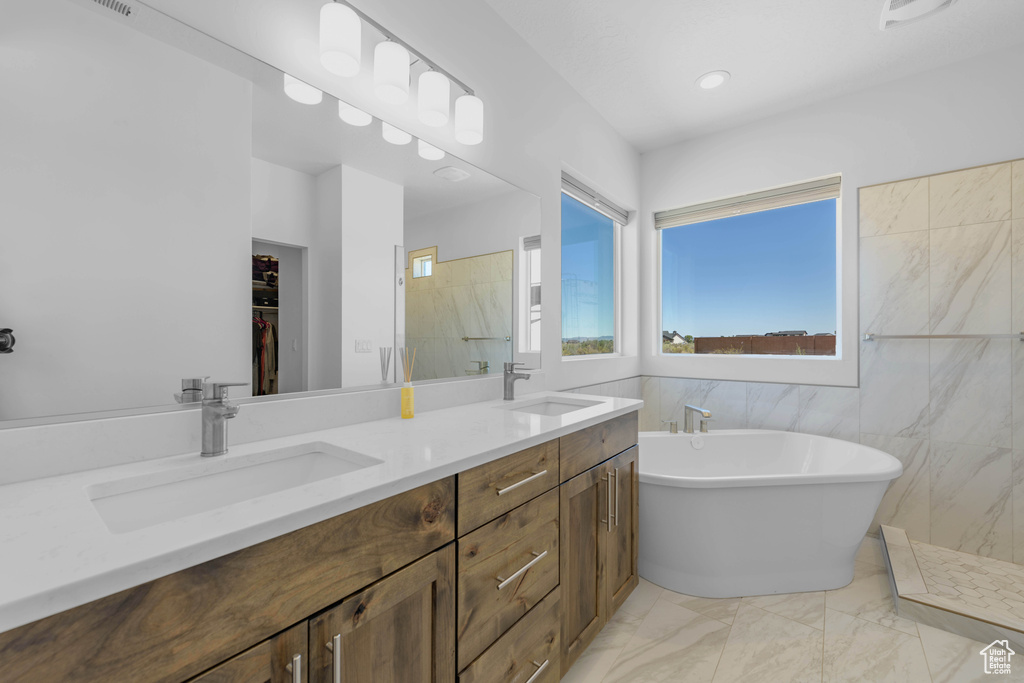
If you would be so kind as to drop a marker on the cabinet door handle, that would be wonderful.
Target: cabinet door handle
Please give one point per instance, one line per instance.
(615, 473)
(537, 558)
(520, 483)
(539, 671)
(335, 647)
(295, 669)
(608, 500)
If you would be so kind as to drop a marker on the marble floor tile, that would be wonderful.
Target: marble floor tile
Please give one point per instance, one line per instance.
(722, 609)
(593, 664)
(894, 376)
(969, 279)
(772, 406)
(1017, 494)
(1018, 188)
(1017, 270)
(672, 644)
(970, 499)
(858, 650)
(807, 608)
(905, 504)
(970, 391)
(869, 597)
(955, 659)
(642, 599)
(894, 284)
(894, 207)
(768, 648)
(829, 411)
(870, 552)
(650, 414)
(974, 195)
(727, 402)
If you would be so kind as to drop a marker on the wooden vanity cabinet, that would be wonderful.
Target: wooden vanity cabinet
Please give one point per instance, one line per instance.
(272, 661)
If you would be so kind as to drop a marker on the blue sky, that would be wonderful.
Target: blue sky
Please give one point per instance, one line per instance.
(752, 274)
(588, 271)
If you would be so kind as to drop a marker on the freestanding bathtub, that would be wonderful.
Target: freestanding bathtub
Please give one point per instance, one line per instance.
(753, 512)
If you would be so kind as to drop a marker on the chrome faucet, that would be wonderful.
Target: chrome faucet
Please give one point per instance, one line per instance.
(216, 411)
(510, 379)
(673, 426)
(688, 412)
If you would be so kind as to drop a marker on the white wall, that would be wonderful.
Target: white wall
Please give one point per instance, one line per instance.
(372, 215)
(117, 176)
(957, 116)
(283, 204)
(325, 284)
(536, 125)
(483, 227)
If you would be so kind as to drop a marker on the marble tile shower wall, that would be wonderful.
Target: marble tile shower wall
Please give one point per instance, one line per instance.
(939, 255)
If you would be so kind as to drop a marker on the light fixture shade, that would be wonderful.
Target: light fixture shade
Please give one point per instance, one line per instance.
(391, 72)
(469, 120)
(301, 92)
(395, 136)
(340, 39)
(429, 152)
(353, 116)
(713, 79)
(433, 96)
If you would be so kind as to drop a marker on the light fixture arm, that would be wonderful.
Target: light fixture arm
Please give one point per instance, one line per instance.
(392, 37)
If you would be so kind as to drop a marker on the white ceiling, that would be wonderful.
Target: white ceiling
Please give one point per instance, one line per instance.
(636, 62)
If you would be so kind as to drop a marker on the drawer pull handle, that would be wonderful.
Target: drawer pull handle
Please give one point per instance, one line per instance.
(608, 500)
(295, 669)
(539, 671)
(615, 473)
(537, 558)
(524, 481)
(335, 647)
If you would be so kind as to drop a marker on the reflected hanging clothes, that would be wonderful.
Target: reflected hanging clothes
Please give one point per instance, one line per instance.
(264, 357)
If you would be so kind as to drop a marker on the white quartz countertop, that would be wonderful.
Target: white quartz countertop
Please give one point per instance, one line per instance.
(58, 553)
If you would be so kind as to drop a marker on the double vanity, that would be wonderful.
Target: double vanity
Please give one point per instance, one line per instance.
(486, 542)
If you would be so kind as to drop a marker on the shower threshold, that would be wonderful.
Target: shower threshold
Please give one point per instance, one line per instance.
(975, 597)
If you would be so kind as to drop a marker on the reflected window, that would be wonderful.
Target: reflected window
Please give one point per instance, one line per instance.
(530, 293)
(422, 266)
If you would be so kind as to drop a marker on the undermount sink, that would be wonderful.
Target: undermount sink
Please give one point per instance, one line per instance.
(138, 502)
(552, 406)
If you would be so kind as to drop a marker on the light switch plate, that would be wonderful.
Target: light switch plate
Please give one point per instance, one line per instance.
(364, 346)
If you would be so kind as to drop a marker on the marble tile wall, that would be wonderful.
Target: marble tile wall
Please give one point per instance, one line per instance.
(470, 297)
(939, 255)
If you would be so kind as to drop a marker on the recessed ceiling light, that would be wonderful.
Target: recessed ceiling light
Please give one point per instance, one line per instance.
(713, 79)
(451, 173)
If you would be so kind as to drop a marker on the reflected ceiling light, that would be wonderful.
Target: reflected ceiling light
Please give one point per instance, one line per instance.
(469, 120)
(429, 152)
(353, 116)
(396, 136)
(301, 92)
(450, 173)
(341, 45)
(713, 79)
(391, 72)
(433, 96)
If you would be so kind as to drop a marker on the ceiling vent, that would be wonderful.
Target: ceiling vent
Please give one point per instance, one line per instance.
(901, 12)
(124, 9)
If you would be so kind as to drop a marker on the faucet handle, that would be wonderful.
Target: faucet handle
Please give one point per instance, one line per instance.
(511, 367)
(219, 390)
(673, 426)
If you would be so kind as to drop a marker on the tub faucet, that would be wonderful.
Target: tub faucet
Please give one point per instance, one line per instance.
(510, 379)
(688, 412)
(216, 412)
(673, 426)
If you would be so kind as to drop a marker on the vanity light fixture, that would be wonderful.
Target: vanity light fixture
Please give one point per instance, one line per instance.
(396, 136)
(300, 91)
(353, 116)
(433, 98)
(392, 62)
(713, 79)
(469, 120)
(341, 45)
(429, 152)
(391, 72)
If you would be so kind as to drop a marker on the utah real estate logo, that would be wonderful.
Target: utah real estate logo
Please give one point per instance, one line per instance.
(997, 657)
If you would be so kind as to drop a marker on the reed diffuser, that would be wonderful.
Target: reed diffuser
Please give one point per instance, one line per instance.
(408, 360)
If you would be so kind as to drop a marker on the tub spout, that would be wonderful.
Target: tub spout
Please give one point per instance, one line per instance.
(688, 412)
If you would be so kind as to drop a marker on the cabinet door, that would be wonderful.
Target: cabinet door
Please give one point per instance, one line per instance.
(620, 568)
(583, 517)
(282, 659)
(399, 630)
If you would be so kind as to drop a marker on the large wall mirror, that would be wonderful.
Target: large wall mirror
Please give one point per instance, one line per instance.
(169, 212)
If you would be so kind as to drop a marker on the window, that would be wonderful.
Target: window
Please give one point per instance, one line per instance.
(753, 275)
(423, 266)
(530, 278)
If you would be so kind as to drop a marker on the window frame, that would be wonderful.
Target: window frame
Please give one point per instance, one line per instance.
(838, 370)
(616, 284)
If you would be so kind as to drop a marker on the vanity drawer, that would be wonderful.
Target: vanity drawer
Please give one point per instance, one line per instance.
(496, 487)
(581, 450)
(529, 647)
(505, 568)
